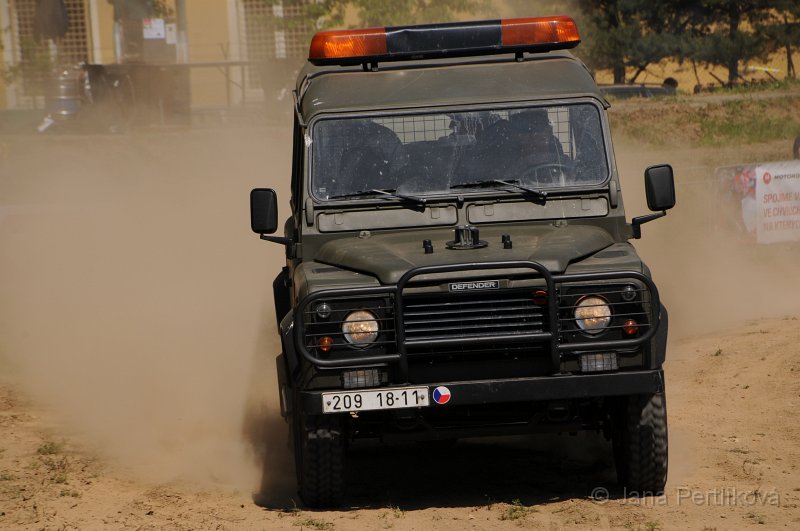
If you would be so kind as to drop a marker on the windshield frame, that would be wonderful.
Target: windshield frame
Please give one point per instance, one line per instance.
(460, 194)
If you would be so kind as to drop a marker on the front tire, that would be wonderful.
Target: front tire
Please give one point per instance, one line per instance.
(641, 444)
(319, 446)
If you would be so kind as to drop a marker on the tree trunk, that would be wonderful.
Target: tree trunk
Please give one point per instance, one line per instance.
(790, 73)
(619, 74)
(733, 60)
(637, 74)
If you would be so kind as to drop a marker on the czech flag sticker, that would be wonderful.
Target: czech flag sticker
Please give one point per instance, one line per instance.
(441, 395)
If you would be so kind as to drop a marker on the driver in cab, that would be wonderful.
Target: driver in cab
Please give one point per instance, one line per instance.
(531, 149)
(522, 147)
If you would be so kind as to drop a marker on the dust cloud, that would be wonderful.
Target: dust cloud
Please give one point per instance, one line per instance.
(709, 277)
(135, 301)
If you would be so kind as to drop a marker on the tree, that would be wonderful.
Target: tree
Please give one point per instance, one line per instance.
(633, 34)
(728, 32)
(610, 30)
(783, 31)
(331, 13)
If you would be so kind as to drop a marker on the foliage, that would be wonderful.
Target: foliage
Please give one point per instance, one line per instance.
(727, 32)
(162, 10)
(398, 12)
(313, 523)
(626, 36)
(783, 30)
(323, 14)
(516, 510)
(50, 448)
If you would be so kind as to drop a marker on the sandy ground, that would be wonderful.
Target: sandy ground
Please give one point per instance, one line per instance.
(136, 337)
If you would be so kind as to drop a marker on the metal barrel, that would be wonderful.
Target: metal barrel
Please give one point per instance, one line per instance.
(64, 94)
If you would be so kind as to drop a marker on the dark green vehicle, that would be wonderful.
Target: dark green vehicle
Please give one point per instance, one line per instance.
(457, 252)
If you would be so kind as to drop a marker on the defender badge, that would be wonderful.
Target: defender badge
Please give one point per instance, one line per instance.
(474, 286)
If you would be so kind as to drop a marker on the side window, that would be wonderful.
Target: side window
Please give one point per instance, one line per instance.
(589, 154)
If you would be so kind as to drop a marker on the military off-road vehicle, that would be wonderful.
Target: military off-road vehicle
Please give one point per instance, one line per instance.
(457, 254)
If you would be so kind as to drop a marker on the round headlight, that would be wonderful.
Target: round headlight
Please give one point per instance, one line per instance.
(592, 314)
(360, 328)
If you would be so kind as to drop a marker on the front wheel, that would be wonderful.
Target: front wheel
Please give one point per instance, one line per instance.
(319, 447)
(641, 445)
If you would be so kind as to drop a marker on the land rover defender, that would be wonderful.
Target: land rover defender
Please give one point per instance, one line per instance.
(457, 253)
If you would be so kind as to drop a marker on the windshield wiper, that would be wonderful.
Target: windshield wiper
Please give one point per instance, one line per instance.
(383, 194)
(497, 182)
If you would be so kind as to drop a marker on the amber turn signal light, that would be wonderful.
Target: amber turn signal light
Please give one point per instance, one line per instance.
(543, 30)
(630, 327)
(325, 344)
(348, 43)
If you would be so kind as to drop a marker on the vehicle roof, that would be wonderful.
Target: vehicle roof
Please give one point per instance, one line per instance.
(442, 82)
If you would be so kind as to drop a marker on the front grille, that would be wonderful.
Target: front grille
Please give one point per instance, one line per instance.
(511, 329)
(495, 315)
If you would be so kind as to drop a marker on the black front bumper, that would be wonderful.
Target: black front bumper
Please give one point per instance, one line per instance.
(479, 392)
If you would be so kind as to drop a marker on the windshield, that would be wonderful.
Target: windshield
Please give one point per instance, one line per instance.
(427, 154)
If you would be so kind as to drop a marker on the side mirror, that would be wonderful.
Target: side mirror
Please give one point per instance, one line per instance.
(263, 210)
(659, 185)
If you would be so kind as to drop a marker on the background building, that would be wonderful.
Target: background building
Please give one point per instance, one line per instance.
(231, 48)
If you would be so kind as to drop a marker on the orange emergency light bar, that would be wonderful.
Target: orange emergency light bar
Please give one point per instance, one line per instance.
(372, 45)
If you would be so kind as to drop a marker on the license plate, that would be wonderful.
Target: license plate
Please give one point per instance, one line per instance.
(396, 398)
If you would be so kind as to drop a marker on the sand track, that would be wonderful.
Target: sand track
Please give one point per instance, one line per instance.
(136, 385)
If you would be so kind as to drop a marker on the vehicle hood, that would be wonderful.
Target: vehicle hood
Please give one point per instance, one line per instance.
(389, 256)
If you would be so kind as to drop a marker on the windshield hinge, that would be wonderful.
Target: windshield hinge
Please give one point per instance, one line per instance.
(297, 109)
(613, 193)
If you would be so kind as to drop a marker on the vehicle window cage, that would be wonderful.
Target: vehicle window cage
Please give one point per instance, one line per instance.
(418, 128)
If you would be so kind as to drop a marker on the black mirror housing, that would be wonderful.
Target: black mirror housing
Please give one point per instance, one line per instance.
(263, 210)
(659, 185)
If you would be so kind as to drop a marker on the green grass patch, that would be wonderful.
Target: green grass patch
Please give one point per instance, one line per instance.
(515, 511)
(50, 448)
(747, 122)
(708, 122)
(313, 523)
(58, 468)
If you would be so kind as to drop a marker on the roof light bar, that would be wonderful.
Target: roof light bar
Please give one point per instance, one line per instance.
(348, 47)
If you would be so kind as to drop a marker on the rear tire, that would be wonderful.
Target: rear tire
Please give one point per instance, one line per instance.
(641, 444)
(319, 446)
